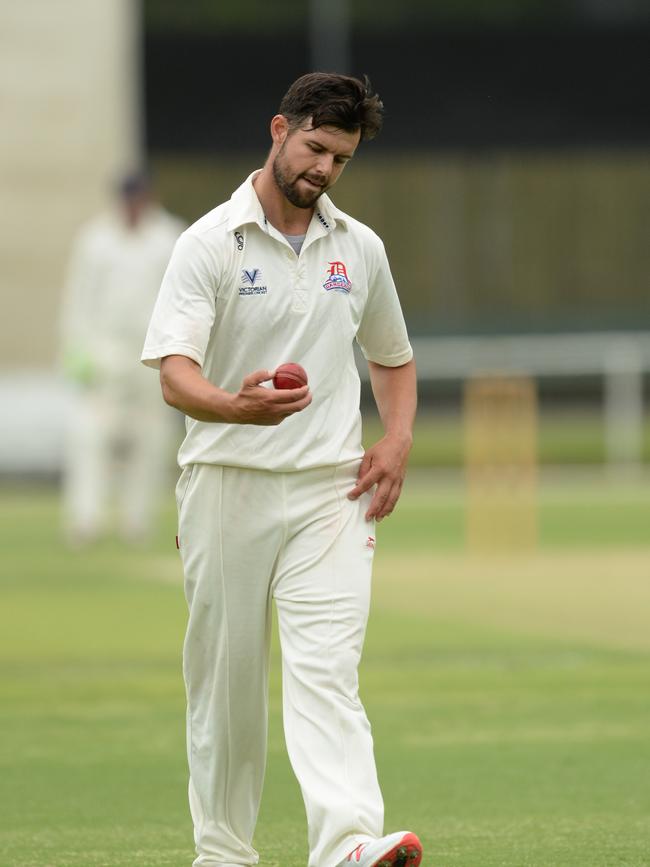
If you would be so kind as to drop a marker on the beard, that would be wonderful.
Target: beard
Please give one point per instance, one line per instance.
(287, 183)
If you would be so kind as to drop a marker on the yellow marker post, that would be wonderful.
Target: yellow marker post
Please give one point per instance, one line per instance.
(500, 414)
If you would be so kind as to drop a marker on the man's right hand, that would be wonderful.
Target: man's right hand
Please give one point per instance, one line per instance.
(185, 388)
(255, 404)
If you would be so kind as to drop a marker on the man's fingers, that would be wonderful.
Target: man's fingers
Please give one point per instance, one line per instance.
(278, 410)
(256, 378)
(286, 409)
(258, 404)
(385, 497)
(384, 501)
(364, 483)
(366, 464)
(289, 395)
(379, 499)
(383, 465)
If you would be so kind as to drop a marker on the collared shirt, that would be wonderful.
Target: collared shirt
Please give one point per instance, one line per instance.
(236, 298)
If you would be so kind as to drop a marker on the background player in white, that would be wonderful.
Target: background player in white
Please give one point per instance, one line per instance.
(117, 263)
(276, 499)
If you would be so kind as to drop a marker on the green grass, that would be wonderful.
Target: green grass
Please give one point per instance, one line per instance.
(508, 695)
(563, 438)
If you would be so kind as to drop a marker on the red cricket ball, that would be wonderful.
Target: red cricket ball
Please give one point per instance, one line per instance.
(289, 375)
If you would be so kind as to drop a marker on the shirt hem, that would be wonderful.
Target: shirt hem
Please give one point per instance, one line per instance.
(182, 463)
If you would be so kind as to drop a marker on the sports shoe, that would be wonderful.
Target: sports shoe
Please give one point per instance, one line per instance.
(401, 849)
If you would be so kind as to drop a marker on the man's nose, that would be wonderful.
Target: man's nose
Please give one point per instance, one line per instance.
(324, 164)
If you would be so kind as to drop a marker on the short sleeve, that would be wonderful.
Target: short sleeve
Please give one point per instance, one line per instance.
(382, 333)
(184, 312)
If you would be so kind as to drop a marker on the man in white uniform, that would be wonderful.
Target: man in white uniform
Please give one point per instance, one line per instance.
(114, 275)
(277, 500)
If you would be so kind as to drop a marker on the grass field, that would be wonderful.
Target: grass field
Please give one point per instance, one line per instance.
(510, 696)
(565, 437)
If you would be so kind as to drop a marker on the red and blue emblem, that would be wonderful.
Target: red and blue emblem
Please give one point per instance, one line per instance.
(337, 278)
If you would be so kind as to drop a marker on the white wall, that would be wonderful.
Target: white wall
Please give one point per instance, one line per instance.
(70, 97)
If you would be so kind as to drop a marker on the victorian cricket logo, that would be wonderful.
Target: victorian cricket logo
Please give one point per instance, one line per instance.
(250, 279)
(337, 278)
(250, 276)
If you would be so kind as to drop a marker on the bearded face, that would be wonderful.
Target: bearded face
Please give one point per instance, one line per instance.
(302, 189)
(310, 160)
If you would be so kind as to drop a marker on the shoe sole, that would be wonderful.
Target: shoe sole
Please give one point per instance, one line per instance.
(407, 853)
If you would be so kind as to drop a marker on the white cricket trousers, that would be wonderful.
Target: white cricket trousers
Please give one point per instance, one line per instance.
(100, 419)
(247, 537)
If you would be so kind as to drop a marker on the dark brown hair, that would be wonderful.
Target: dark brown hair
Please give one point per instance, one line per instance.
(336, 100)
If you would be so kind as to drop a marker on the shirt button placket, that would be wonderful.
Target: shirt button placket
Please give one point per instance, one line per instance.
(299, 294)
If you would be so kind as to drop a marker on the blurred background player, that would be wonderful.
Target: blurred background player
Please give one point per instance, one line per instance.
(118, 431)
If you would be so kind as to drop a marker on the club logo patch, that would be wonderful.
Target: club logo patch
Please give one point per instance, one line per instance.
(250, 278)
(337, 278)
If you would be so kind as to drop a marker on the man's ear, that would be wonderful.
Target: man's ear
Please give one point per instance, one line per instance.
(279, 129)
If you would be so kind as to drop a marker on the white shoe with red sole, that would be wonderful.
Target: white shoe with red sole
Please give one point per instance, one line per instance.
(401, 849)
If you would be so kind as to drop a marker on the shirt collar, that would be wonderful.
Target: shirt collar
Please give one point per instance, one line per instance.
(245, 208)
(328, 214)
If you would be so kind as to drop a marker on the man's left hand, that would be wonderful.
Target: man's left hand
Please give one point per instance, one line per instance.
(383, 465)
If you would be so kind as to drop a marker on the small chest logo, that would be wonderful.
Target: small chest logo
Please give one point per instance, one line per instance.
(337, 278)
(370, 543)
(250, 279)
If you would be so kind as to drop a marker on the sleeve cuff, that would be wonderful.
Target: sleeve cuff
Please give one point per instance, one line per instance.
(152, 356)
(389, 360)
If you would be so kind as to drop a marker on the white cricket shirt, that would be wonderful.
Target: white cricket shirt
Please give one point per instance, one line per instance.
(235, 298)
(112, 282)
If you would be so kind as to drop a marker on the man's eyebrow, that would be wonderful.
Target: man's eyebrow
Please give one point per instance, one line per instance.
(318, 143)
